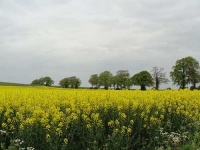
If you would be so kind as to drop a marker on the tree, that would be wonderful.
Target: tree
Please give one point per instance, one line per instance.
(114, 81)
(194, 77)
(159, 76)
(74, 82)
(41, 81)
(77, 83)
(48, 81)
(94, 80)
(185, 71)
(105, 79)
(64, 83)
(35, 82)
(142, 79)
(122, 78)
(129, 83)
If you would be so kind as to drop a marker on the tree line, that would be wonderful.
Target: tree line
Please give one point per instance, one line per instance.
(185, 71)
(123, 80)
(69, 82)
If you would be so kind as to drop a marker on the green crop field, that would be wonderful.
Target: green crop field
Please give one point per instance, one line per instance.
(12, 84)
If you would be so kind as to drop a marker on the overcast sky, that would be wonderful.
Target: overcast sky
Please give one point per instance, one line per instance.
(62, 38)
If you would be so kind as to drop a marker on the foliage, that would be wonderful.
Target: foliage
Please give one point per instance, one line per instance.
(54, 118)
(105, 79)
(64, 83)
(114, 81)
(35, 82)
(41, 81)
(142, 79)
(159, 76)
(122, 78)
(72, 82)
(94, 80)
(185, 71)
(47, 81)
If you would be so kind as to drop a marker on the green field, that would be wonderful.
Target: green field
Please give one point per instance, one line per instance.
(12, 84)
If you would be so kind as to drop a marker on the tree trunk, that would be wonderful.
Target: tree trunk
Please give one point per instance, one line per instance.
(143, 87)
(157, 83)
(106, 87)
(194, 85)
(157, 86)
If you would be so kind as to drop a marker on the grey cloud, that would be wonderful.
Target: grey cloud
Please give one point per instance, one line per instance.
(64, 38)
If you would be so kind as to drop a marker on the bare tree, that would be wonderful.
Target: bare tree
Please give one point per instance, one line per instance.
(159, 76)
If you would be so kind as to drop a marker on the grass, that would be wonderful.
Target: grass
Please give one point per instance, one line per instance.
(21, 84)
(12, 84)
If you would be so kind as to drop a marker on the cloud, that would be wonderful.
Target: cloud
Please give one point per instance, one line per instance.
(64, 38)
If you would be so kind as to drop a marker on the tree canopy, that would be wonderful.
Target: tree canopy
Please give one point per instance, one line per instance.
(94, 80)
(72, 82)
(122, 78)
(105, 79)
(142, 79)
(47, 81)
(185, 71)
(64, 82)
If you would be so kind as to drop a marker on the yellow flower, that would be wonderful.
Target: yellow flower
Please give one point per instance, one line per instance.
(89, 126)
(129, 130)
(131, 122)
(123, 129)
(48, 127)
(4, 125)
(122, 115)
(59, 131)
(47, 136)
(110, 123)
(117, 122)
(65, 140)
(60, 125)
(9, 120)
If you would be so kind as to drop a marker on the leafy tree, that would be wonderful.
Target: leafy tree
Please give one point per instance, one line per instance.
(41, 81)
(78, 83)
(74, 82)
(122, 78)
(194, 77)
(185, 71)
(35, 82)
(142, 79)
(48, 81)
(64, 82)
(94, 80)
(114, 81)
(105, 79)
(159, 76)
(129, 83)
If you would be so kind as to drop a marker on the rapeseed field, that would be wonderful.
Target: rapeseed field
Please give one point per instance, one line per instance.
(46, 118)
